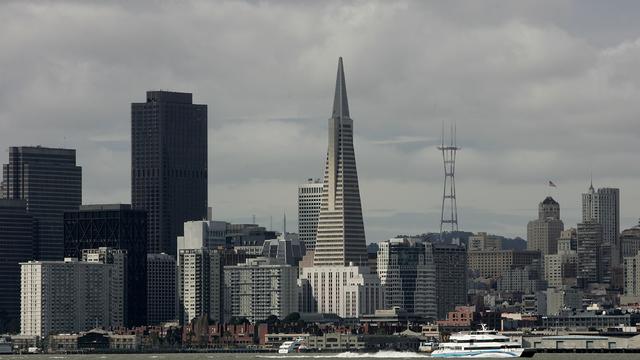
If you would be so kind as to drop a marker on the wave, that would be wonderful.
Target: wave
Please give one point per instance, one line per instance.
(386, 354)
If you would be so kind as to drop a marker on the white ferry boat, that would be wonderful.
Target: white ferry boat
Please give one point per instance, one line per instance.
(291, 346)
(481, 343)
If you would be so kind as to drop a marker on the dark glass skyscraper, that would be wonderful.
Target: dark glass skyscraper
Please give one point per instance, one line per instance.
(451, 277)
(115, 226)
(168, 164)
(50, 183)
(16, 245)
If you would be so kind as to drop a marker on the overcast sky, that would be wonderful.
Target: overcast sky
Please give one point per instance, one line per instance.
(539, 91)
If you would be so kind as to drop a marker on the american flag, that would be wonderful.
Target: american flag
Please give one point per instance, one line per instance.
(552, 184)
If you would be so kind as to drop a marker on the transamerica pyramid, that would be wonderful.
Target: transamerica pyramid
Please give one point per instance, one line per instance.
(340, 238)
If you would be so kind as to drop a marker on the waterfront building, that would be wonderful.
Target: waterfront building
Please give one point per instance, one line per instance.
(168, 165)
(118, 292)
(543, 233)
(200, 284)
(259, 288)
(50, 182)
(407, 275)
(66, 296)
(17, 232)
(451, 267)
(117, 226)
(340, 238)
(309, 202)
(162, 299)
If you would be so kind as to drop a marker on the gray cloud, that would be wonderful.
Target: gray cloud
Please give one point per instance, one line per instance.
(539, 90)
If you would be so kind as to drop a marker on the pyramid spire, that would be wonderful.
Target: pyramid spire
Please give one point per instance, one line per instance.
(340, 104)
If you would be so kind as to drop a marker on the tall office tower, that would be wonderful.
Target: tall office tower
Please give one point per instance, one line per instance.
(51, 183)
(200, 285)
(118, 279)
(169, 164)
(451, 277)
(543, 233)
(116, 226)
(560, 269)
(340, 238)
(162, 301)
(603, 206)
(260, 288)
(401, 265)
(589, 236)
(66, 296)
(630, 241)
(309, 202)
(16, 245)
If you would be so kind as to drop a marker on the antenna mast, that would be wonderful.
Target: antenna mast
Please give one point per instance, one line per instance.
(449, 217)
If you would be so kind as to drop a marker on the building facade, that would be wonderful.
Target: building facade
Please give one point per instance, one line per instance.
(340, 238)
(17, 233)
(407, 275)
(162, 299)
(66, 296)
(50, 182)
(118, 292)
(590, 244)
(631, 266)
(603, 207)
(116, 226)
(347, 291)
(309, 202)
(168, 164)
(259, 288)
(543, 233)
(630, 241)
(493, 264)
(451, 266)
(200, 285)
(483, 241)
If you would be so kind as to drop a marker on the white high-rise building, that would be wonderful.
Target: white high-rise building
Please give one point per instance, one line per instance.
(162, 298)
(603, 206)
(259, 288)
(340, 239)
(348, 291)
(200, 282)
(66, 296)
(203, 233)
(309, 202)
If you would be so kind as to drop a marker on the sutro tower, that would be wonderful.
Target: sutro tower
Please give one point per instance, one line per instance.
(449, 191)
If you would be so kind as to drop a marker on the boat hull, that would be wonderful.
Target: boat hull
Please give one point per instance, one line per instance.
(492, 353)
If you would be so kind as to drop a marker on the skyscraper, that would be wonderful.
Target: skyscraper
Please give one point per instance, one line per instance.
(543, 233)
(117, 226)
(603, 206)
(200, 284)
(16, 245)
(169, 164)
(50, 183)
(340, 238)
(309, 202)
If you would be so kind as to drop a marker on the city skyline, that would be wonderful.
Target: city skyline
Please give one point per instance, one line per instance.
(561, 93)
